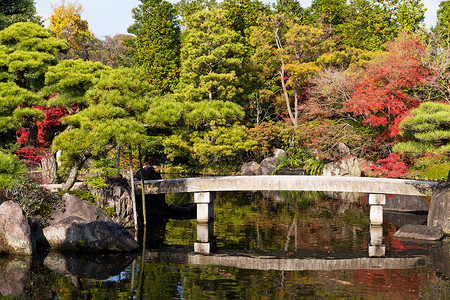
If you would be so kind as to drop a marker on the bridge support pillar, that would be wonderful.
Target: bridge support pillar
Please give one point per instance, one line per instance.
(205, 206)
(205, 243)
(376, 246)
(376, 202)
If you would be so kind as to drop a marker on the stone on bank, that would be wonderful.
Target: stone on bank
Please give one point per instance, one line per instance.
(15, 233)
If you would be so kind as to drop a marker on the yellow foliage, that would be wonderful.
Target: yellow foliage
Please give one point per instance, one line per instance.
(66, 23)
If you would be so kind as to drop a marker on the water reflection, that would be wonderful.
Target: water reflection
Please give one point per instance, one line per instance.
(300, 246)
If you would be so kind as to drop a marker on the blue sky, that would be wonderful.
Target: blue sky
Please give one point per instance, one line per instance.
(110, 17)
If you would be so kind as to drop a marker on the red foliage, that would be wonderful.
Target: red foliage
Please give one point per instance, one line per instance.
(46, 129)
(390, 167)
(32, 154)
(382, 95)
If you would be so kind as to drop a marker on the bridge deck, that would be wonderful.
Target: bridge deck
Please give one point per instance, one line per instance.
(289, 183)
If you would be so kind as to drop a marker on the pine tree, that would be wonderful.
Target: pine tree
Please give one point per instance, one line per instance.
(158, 43)
(427, 130)
(210, 56)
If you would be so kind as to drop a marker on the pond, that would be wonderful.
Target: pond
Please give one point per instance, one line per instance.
(277, 245)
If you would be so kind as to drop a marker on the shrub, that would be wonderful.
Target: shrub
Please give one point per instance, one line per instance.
(34, 199)
(266, 135)
(431, 167)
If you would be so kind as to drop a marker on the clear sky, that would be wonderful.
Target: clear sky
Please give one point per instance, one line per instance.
(110, 17)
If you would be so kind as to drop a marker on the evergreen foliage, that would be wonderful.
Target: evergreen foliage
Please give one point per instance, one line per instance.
(427, 130)
(69, 80)
(15, 11)
(442, 27)
(10, 169)
(210, 57)
(26, 51)
(158, 43)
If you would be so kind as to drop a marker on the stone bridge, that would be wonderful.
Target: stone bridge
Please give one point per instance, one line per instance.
(205, 188)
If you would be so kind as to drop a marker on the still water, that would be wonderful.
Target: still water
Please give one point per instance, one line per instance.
(297, 245)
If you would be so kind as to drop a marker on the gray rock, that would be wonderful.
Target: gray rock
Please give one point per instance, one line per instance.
(15, 272)
(249, 168)
(268, 165)
(420, 232)
(279, 153)
(75, 234)
(15, 233)
(439, 213)
(343, 150)
(75, 207)
(116, 194)
(347, 167)
(406, 203)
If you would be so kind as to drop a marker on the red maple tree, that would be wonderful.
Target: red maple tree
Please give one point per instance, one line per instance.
(384, 94)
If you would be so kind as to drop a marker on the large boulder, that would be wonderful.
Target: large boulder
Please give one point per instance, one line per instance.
(268, 165)
(347, 167)
(439, 213)
(15, 271)
(116, 193)
(75, 207)
(406, 203)
(75, 234)
(249, 168)
(15, 233)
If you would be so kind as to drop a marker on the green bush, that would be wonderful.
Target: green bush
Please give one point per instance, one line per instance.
(300, 157)
(34, 199)
(431, 167)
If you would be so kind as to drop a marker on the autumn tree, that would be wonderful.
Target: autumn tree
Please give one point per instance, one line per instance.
(66, 23)
(113, 51)
(387, 90)
(291, 51)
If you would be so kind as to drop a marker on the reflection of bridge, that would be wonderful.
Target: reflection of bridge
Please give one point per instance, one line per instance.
(270, 262)
(204, 193)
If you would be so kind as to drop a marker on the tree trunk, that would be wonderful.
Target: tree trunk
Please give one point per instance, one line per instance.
(74, 171)
(49, 169)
